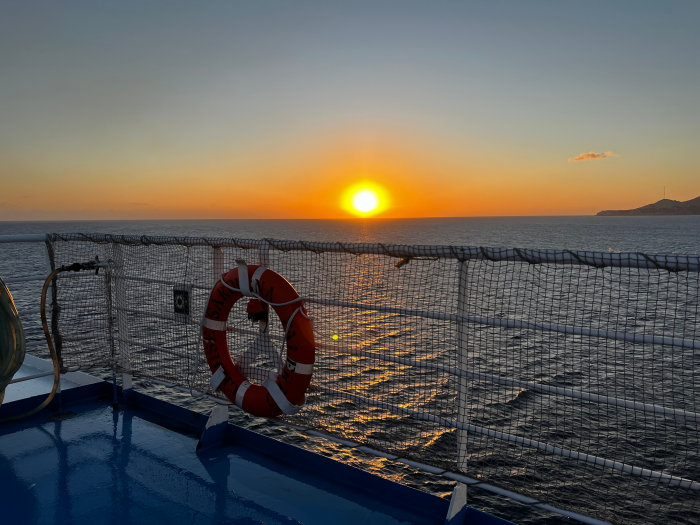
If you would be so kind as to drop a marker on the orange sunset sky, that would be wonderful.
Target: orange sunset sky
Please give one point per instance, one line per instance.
(136, 110)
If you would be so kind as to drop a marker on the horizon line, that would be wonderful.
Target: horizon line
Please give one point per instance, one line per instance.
(141, 219)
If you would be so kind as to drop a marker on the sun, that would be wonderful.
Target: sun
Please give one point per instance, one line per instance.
(365, 199)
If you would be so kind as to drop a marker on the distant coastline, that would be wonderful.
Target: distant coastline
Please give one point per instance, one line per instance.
(662, 207)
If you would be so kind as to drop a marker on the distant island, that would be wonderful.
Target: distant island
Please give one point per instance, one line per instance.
(662, 207)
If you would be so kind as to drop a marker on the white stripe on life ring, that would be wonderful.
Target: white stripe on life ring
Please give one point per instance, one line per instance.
(282, 402)
(216, 379)
(302, 368)
(240, 393)
(255, 279)
(243, 282)
(219, 326)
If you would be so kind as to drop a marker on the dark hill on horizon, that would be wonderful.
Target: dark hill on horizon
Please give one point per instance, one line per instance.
(662, 207)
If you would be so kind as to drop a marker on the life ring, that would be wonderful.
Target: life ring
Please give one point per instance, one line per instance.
(285, 392)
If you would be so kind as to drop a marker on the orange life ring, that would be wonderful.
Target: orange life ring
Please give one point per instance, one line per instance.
(281, 394)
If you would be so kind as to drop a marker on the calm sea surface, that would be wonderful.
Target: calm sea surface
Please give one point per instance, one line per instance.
(621, 234)
(679, 235)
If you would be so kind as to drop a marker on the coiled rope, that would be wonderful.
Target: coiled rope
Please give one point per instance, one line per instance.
(12, 342)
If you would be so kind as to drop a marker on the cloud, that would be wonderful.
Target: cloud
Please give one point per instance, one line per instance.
(592, 156)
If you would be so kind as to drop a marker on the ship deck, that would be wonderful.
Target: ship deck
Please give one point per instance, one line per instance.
(145, 460)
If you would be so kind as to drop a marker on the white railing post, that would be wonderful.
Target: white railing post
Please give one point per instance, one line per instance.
(118, 283)
(217, 263)
(264, 253)
(55, 307)
(462, 340)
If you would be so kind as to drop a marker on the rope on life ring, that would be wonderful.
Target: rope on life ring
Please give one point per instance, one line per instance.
(283, 393)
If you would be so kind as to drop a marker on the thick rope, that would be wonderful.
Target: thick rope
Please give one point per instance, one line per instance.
(12, 341)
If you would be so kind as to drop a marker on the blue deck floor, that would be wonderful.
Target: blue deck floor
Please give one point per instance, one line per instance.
(81, 461)
(90, 463)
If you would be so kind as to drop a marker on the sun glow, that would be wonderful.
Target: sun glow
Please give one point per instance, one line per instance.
(365, 199)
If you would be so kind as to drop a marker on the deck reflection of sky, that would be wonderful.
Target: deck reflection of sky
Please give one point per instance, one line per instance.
(106, 466)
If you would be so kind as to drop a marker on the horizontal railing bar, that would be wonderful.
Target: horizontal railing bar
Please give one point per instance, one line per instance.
(523, 499)
(574, 515)
(669, 262)
(672, 480)
(512, 323)
(538, 387)
(23, 237)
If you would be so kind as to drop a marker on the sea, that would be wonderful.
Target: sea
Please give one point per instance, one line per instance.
(666, 234)
(650, 235)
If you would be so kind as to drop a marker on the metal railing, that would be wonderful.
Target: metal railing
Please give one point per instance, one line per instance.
(458, 318)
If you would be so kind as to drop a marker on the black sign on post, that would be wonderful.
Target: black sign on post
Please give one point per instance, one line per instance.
(181, 302)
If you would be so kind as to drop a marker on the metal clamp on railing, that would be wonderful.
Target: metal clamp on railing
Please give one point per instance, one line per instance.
(95, 264)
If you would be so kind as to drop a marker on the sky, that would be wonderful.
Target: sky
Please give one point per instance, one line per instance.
(137, 109)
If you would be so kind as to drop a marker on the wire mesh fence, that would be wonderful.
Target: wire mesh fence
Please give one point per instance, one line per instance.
(570, 377)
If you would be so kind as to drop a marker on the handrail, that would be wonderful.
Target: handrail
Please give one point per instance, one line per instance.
(26, 237)
(670, 262)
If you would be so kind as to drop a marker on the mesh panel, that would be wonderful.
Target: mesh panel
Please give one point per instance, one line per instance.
(553, 374)
(614, 301)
